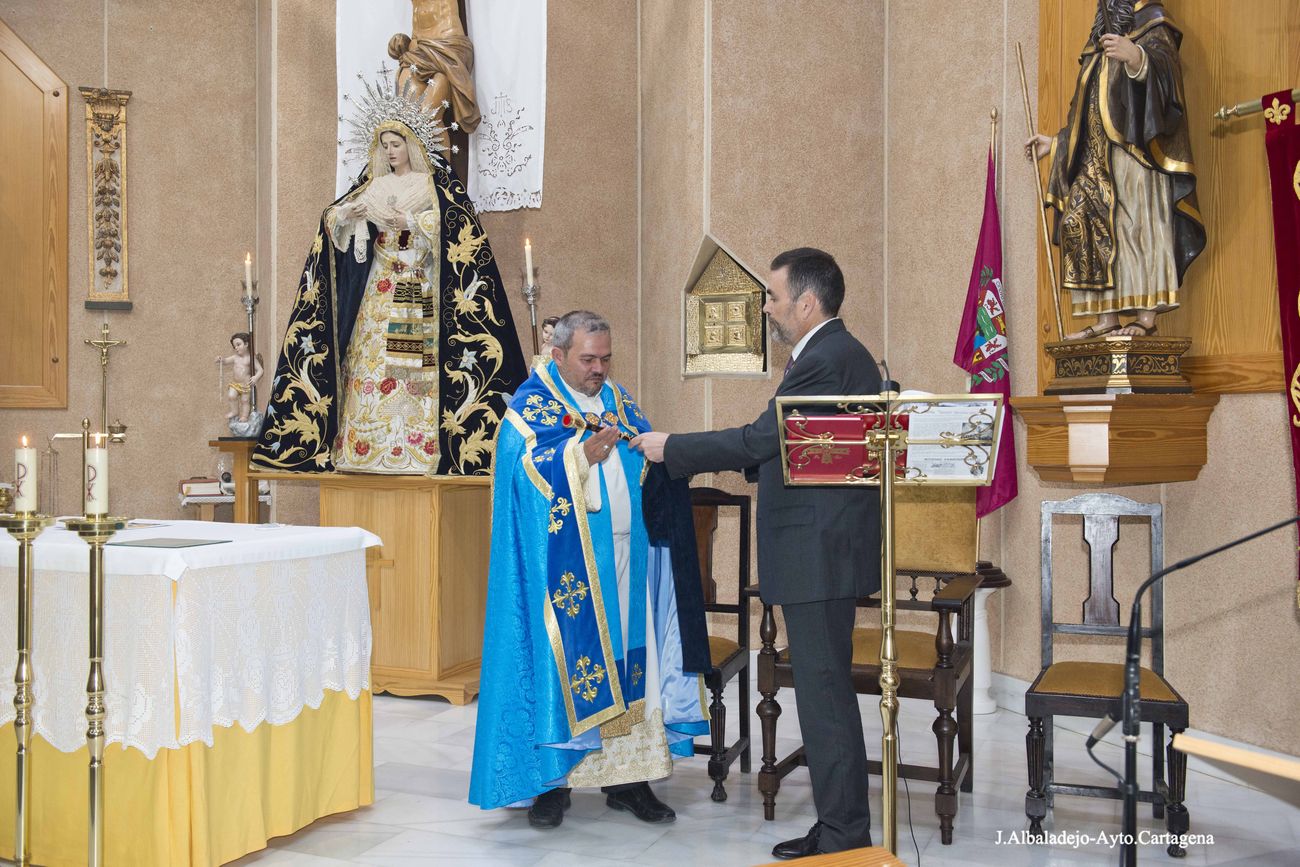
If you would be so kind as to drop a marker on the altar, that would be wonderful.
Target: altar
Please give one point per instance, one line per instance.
(238, 689)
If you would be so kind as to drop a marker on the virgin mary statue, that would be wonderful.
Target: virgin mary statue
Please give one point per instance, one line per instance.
(400, 351)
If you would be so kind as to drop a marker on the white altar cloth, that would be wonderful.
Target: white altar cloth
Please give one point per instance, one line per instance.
(244, 632)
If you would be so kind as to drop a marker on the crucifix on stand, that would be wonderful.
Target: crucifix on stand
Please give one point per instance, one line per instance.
(116, 432)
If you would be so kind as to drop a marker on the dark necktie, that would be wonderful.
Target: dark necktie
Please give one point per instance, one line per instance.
(788, 365)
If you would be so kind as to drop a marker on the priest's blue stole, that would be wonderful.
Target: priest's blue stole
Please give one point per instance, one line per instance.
(600, 678)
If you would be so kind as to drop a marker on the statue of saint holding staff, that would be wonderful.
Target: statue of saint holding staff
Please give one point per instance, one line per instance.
(1122, 182)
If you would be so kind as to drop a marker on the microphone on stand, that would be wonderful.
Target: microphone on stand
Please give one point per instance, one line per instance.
(889, 383)
(1130, 699)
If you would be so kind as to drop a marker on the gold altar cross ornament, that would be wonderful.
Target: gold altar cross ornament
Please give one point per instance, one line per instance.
(104, 344)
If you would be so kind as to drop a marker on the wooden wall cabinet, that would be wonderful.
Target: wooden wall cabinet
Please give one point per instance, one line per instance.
(428, 581)
(34, 230)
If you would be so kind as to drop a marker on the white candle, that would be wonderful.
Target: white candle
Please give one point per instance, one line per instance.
(25, 466)
(248, 273)
(528, 261)
(97, 477)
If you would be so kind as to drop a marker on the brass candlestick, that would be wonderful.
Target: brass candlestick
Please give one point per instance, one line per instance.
(532, 291)
(96, 530)
(250, 300)
(25, 527)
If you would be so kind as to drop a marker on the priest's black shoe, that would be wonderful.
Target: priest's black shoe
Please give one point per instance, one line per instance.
(548, 810)
(640, 802)
(800, 847)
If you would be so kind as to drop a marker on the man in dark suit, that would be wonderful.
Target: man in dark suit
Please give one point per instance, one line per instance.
(818, 548)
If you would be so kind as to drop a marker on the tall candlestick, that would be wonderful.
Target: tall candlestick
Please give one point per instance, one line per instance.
(97, 477)
(25, 476)
(248, 273)
(528, 261)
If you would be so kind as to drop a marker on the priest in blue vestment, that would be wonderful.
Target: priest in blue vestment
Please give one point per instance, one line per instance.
(594, 640)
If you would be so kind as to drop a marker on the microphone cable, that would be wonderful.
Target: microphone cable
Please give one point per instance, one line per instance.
(911, 829)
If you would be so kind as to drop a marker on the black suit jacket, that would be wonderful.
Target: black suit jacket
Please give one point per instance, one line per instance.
(814, 543)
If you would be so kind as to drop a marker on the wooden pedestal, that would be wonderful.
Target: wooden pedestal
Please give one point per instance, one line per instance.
(1117, 438)
(428, 582)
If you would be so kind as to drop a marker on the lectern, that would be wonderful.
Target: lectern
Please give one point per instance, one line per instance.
(923, 440)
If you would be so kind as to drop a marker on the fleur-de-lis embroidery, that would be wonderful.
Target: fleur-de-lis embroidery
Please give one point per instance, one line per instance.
(1278, 112)
(583, 678)
(568, 599)
(637, 673)
(562, 507)
(543, 456)
(548, 410)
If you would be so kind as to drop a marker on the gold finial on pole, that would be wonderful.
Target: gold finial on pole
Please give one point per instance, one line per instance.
(993, 136)
(1250, 106)
(1042, 213)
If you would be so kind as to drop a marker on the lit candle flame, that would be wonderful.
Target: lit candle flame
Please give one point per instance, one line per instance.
(24, 441)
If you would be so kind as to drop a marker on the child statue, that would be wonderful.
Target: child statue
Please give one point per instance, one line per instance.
(248, 370)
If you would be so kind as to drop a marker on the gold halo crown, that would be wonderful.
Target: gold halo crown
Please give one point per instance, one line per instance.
(382, 106)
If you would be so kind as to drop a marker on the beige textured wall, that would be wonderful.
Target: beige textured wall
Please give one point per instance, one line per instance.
(737, 123)
(585, 234)
(191, 209)
(1229, 619)
(743, 137)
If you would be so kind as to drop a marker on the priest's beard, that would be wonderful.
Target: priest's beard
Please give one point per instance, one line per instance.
(1121, 17)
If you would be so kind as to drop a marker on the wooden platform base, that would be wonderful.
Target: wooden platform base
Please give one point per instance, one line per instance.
(456, 688)
(428, 581)
(1117, 438)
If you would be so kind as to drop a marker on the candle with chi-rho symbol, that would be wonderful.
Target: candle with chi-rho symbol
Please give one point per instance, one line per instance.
(97, 476)
(25, 466)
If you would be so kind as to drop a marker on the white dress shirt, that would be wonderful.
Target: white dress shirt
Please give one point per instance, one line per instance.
(803, 341)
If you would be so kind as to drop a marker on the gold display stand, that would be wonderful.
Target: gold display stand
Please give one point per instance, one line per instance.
(1117, 438)
(935, 440)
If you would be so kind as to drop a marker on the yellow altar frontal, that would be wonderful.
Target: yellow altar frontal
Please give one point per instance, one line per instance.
(199, 805)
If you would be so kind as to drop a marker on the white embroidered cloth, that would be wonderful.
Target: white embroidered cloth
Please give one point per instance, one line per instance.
(246, 632)
(505, 153)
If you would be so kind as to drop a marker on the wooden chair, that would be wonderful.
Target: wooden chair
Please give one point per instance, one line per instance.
(932, 664)
(730, 658)
(1092, 689)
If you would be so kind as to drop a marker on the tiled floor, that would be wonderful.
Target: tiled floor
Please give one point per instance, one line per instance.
(423, 753)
